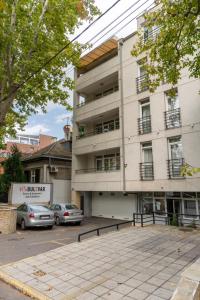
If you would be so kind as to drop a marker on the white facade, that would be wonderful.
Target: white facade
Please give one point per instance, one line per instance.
(155, 136)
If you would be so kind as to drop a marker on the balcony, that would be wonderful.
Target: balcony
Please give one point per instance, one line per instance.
(146, 171)
(142, 83)
(174, 168)
(99, 96)
(99, 170)
(144, 125)
(102, 128)
(172, 118)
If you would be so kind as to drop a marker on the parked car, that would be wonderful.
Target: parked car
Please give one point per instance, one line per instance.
(67, 213)
(31, 215)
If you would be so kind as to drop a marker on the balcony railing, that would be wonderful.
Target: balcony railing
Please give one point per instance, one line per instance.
(99, 170)
(146, 171)
(142, 83)
(172, 118)
(175, 167)
(144, 125)
(151, 34)
(96, 131)
(99, 96)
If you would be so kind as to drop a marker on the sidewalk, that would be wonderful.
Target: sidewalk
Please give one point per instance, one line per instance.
(134, 263)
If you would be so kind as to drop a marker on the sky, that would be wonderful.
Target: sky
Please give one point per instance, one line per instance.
(57, 116)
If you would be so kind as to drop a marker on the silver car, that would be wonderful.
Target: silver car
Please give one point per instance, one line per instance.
(31, 215)
(67, 213)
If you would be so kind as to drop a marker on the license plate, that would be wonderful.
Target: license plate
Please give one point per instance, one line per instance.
(44, 217)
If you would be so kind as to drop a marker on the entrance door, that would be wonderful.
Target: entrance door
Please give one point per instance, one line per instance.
(173, 206)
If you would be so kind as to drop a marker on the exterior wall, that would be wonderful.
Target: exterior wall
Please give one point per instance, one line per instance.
(128, 104)
(61, 191)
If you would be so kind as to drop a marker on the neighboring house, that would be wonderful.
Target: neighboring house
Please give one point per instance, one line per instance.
(26, 144)
(129, 144)
(51, 164)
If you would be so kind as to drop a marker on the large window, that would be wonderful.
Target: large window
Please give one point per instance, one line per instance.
(146, 167)
(142, 79)
(144, 122)
(159, 205)
(147, 205)
(176, 161)
(172, 114)
(190, 208)
(108, 162)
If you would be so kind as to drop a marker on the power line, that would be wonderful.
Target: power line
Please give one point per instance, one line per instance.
(59, 52)
(121, 22)
(115, 26)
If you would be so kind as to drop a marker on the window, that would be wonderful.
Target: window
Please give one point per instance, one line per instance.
(144, 122)
(108, 162)
(160, 205)
(146, 167)
(172, 114)
(175, 148)
(99, 163)
(107, 126)
(142, 79)
(35, 176)
(190, 208)
(147, 205)
(34, 142)
(175, 157)
(147, 152)
(172, 100)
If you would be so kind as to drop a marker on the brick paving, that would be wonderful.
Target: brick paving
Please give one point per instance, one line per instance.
(134, 263)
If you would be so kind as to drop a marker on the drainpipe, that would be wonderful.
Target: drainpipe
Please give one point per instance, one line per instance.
(122, 117)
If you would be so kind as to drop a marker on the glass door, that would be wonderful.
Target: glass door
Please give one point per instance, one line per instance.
(175, 156)
(145, 117)
(147, 160)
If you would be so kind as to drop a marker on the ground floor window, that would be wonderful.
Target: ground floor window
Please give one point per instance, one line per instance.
(147, 205)
(160, 205)
(190, 208)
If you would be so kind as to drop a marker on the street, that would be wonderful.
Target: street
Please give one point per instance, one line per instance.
(22, 244)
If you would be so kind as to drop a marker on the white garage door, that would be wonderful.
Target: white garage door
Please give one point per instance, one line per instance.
(115, 206)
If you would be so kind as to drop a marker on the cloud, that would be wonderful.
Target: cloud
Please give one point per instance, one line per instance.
(64, 118)
(36, 129)
(50, 107)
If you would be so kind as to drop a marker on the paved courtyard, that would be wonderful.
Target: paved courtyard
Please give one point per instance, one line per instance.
(134, 263)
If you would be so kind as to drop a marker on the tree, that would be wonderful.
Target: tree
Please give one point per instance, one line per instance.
(172, 41)
(13, 170)
(31, 32)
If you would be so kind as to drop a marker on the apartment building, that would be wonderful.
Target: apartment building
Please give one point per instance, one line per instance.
(129, 144)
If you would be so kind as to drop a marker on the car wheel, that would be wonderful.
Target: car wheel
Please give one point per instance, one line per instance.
(23, 225)
(50, 227)
(57, 221)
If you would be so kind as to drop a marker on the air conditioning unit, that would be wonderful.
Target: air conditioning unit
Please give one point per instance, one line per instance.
(53, 169)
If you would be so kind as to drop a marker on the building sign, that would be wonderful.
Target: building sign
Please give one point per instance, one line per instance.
(30, 193)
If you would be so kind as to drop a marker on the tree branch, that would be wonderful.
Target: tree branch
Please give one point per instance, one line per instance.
(44, 9)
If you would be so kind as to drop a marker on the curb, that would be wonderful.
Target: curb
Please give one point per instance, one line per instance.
(22, 287)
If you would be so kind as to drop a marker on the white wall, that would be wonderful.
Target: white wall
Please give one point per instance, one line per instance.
(115, 206)
(61, 191)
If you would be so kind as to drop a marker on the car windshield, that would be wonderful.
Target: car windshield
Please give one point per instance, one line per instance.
(37, 208)
(71, 206)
